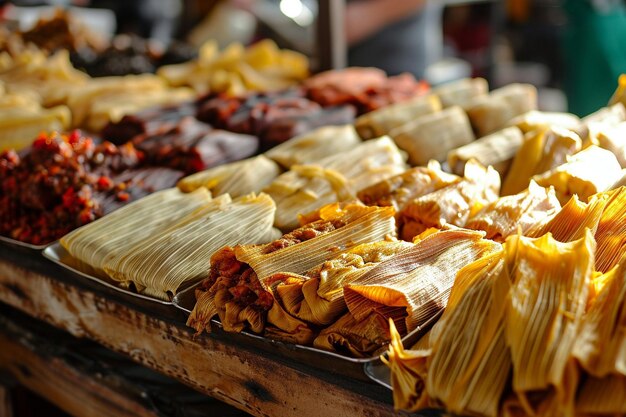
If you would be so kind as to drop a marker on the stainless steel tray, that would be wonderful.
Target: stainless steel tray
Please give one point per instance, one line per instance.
(320, 359)
(14, 242)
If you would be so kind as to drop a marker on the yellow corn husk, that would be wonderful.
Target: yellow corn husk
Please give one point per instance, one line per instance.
(613, 138)
(586, 173)
(462, 92)
(611, 232)
(237, 178)
(111, 236)
(494, 112)
(602, 119)
(540, 120)
(571, 222)
(19, 126)
(602, 396)
(382, 121)
(515, 213)
(619, 96)
(314, 146)
(541, 151)
(470, 363)
(547, 301)
(162, 264)
(400, 189)
(453, 204)
(432, 136)
(496, 149)
(359, 338)
(413, 285)
(306, 188)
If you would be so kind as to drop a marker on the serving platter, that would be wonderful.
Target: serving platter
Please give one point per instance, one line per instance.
(19, 243)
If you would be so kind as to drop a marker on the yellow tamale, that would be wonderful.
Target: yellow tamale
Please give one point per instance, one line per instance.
(461, 92)
(540, 120)
(602, 119)
(613, 138)
(611, 232)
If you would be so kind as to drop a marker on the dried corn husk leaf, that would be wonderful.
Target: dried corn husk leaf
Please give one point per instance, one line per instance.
(611, 233)
(551, 282)
(382, 121)
(586, 173)
(111, 236)
(516, 213)
(161, 265)
(541, 120)
(613, 138)
(496, 149)
(541, 151)
(359, 338)
(602, 119)
(18, 126)
(237, 178)
(619, 96)
(314, 145)
(432, 136)
(453, 204)
(602, 396)
(462, 92)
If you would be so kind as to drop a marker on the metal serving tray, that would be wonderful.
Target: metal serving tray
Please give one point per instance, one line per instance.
(356, 368)
(14, 242)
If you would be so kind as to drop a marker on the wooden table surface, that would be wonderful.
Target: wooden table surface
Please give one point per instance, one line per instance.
(257, 382)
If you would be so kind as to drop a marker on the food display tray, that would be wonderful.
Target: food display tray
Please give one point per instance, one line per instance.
(356, 368)
(19, 243)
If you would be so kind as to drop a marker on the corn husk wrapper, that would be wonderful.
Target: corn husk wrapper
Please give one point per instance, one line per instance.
(161, 265)
(113, 235)
(237, 178)
(306, 188)
(541, 151)
(540, 120)
(462, 92)
(602, 119)
(400, 189)
(494, 112)
(315, 145)
(586, 173)
(613, 138)
(19, 125)
(382, 121)
(496, 149)
(551, 282)
(451, 205)
(516, 213)
(602, 396)
(611, 232)
(432, 136)
(619, 96)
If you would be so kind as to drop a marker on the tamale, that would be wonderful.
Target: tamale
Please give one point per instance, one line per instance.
(516, 213)
(613, 138)
(18, 127)
(235, 288)
(160, 265)
(611, 233)
(496, 149)
(590, 171)
(306, 188)
(112, 235)
(431, 136)
(453, 204)
(540, 120)
(314, 145)
(604, 118)
(237, 178)
(400, 189)
(541, 151)
(380, 122)
(547, 301)
(493, 112)
(461, 92)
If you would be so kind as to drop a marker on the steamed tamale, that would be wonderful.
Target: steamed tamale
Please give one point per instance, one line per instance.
(306, 188)
(431, 136)
(540, 120)
(604, 118)
(496, 149)
(613, 138)
(541, 150)
(461, 92)
(160, 265)
(314, 145)
(237, 178)
(611, 232)
(588, 172)
(453, 204)
(236, 287)
(380, 122)
(516, 213)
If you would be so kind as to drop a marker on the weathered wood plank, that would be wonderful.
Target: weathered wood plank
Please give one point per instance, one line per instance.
(247, 380)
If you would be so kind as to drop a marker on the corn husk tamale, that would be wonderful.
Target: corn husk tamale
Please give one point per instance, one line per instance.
(540, 120)
(314, 145)
(432, 136)
(408, 288)
(541, 151)
(613, 138)
(235, 288)
(306, 188)
(112, 235)
(611, 232)
(493, 112)
(546, 305)
(237, 178)
(160, 265)
(588, 172)
(496, 149)
(602, 119)
(602, 396)
(453, 204)
(515, 213)
(19, 125)
(461, 92)
(382, 121)
(402, 188)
